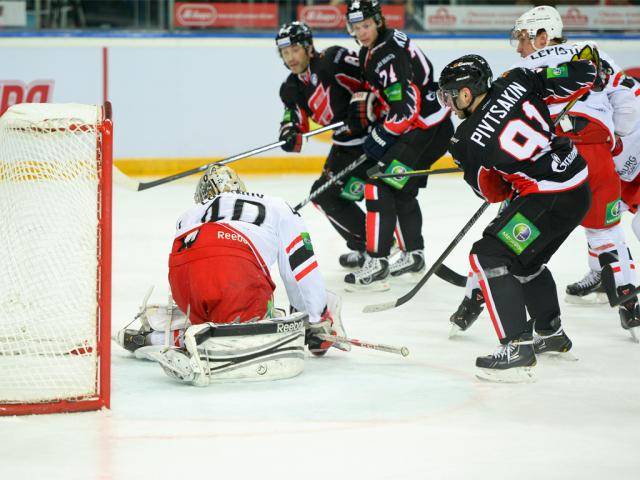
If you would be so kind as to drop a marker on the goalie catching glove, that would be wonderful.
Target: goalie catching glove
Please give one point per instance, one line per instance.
(291, 135)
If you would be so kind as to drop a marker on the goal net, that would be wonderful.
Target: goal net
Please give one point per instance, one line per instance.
(55, 258)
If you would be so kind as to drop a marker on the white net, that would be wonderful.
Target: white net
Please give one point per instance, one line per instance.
(49, 214)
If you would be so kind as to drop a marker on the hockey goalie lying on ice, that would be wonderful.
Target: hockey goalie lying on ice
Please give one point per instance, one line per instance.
(223, 325)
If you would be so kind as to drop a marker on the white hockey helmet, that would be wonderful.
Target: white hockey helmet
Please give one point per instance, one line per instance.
(217, 179)
(539, 18)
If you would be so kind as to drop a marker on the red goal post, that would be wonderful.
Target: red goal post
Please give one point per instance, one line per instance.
(55, 260)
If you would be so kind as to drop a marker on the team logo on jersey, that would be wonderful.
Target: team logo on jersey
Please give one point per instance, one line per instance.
(518, 233)
(306, 241)
(320, 104)
(558, 72)
(613, 212)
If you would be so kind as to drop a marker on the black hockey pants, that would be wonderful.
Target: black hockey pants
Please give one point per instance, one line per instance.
(389, 207)
(339, 202)
(511, 256)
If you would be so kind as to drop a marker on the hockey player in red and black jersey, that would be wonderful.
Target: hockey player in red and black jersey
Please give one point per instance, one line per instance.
(319, 88)
(508, 150)
(413, 133)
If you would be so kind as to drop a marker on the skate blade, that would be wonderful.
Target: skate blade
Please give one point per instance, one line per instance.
(635, 334)
(591, 299)
(381, 286)
(454, 331)
(510, 375)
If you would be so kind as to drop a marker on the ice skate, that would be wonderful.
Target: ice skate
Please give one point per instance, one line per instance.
(408, 266)
(589, 290)
(630, 314)
(467, 312)
(510, 363)
(553, 341)
(131, 339)
(373, 276)
(353, 259)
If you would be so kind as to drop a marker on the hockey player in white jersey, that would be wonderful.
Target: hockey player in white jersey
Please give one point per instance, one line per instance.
(220, 280)
(592, 124)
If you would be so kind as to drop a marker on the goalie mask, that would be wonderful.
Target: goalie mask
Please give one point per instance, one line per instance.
(539, 18)
(216, 180)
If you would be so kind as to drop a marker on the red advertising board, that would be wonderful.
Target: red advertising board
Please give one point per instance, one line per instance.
(334, 16)
(226, 15)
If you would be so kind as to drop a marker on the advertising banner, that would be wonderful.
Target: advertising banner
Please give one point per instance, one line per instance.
(334, 16)
(13, 14)
(501, 18)
(226, 15)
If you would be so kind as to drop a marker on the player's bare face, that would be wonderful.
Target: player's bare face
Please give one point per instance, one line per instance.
(366, 32)
(526, 46)
(296, 57)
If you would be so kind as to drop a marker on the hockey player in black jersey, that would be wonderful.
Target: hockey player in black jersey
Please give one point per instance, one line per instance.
(413, 133)
(508, 151)
(320, 87)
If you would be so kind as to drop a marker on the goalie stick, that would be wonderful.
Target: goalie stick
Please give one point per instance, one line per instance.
(409, 295)
(139, 186)
(404, 351)
(444, 272)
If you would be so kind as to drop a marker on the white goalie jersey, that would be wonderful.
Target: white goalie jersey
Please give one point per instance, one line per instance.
(273, 232)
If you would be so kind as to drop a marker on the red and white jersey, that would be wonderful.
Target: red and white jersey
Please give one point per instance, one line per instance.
(613, 108)
(627, 162)
(274, 233)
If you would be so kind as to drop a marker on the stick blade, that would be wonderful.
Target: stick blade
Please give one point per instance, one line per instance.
(379, 307)
(122, 180)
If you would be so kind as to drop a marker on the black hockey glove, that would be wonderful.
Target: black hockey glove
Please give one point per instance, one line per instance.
(590, 52)
(292, 136)
(360, 113)
(316, 345)
(378, 142)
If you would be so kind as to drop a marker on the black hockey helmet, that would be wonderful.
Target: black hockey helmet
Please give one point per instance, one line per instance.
(470, 71)
(294, 32)
(360, 10)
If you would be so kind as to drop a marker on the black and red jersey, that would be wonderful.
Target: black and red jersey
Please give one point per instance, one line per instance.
(323, 92)
(508, 144)
(401, 76)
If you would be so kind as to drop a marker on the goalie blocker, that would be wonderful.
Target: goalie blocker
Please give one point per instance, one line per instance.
(253, 351)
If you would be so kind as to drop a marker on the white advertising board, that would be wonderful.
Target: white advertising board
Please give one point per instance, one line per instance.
(212, 97)
(501, 18)
(13, 13)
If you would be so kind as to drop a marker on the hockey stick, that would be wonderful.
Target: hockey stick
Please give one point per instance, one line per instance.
(404, 351)
(444, 272)
(139, 186)
(409, 295)
(418, 173)
(352, 166)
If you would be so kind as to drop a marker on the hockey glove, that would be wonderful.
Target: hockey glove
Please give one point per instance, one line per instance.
(317, 346)
(590, 52)
(292, 136)
(378, 142)
(360, 113)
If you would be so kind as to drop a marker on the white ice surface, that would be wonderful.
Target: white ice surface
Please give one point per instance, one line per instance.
(362, 414)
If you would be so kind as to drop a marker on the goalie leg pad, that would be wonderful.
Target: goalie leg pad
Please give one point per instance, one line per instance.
(252, 351)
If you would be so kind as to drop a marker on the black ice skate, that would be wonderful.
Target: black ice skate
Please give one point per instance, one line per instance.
(373, 276)
(587, 290)
(352, 259)
(408, 265)
(467, 312)
(553, 340)
(511, 363)
(630, 313)
(132, 340)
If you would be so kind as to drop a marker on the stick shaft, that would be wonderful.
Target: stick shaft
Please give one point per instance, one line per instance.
(404, 351)
(352, 166)
(239, 156)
